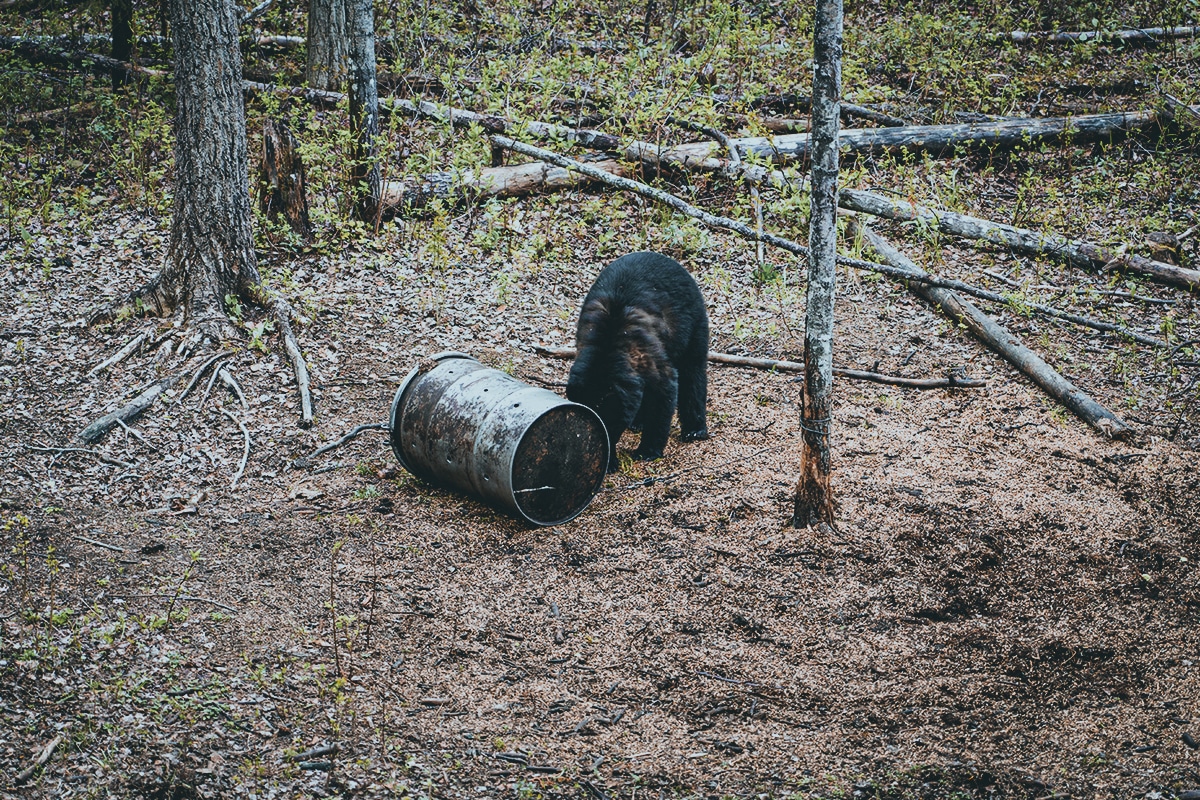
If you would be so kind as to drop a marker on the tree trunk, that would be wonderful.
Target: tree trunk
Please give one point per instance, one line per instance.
(122, 37)
(211, 253)
(814, 494)
(328, 43)
(365, 177)
(281, 189)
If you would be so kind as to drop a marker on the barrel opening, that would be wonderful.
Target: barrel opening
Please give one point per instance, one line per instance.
(559, 464)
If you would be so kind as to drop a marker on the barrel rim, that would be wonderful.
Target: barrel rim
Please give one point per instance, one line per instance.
(599, 484)
(393, 421)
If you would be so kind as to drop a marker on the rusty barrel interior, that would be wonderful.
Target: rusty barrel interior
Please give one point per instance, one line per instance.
(459, 423)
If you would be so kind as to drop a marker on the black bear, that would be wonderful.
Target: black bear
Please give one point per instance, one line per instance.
(641, 348)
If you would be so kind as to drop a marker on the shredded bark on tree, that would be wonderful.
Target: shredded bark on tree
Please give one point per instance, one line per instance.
(1054, 245)
(1004, 343)
(282, 186)
(1139, 36)
(951, 381)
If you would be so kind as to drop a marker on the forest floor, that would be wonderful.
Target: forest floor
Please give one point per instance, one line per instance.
(1008, 605)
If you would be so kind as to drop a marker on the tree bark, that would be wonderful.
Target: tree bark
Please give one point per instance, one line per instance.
(365, 178)
(328, 43)
(814, 493)
(211, 253)
(122, 37)
(1080, 254)
(282, 190)
(985, 329)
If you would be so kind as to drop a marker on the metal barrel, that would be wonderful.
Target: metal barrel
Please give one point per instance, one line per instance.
(456, 422)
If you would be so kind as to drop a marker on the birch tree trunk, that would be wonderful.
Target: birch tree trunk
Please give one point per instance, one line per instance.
(814, 494)
(328, 43)
(365, 178)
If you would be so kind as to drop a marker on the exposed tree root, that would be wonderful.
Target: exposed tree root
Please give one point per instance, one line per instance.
(131, 410)
(245, 449)
(125, 352)
(304, 461)
(231, 383)
(196, 378)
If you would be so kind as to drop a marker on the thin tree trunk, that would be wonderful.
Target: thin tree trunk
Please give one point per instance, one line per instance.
(328, 43)
(365, 178)
(122, 37)
(814, 493)
(211, 253)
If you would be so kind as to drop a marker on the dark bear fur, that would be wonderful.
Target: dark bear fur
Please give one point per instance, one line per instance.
(642, 349)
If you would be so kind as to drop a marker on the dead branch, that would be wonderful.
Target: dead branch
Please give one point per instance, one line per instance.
(304, 461)
(251, 14)
(1180, 111)
(245, 449)
(999, 339)
(42, 758)
(848, 110)
(951, 381)
(95, 431)
(1138, 36)
(58, 451)
(735, 165)
(96, 543)
(1021, 240)
(740, 228)
(315, 752)
(130, 347)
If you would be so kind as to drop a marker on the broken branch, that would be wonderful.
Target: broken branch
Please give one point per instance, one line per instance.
(1021, 240)
(949, 382)
(999, 339)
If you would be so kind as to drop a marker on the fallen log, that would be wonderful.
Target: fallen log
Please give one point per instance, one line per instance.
(745, 231)
(951, 381)
(986, 330)
(522, 179)
(1081, 254)
(1134, 36)
(933, 139)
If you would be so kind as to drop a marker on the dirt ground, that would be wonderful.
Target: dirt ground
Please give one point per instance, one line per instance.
(1007, 607)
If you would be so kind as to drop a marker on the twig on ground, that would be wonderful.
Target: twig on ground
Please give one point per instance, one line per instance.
(245, 449)
(331, 749)
(130, 347)
(304, 461)
(106, 546)
(42, 758)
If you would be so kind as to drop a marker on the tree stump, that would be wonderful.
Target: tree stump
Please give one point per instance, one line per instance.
(281, 189)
